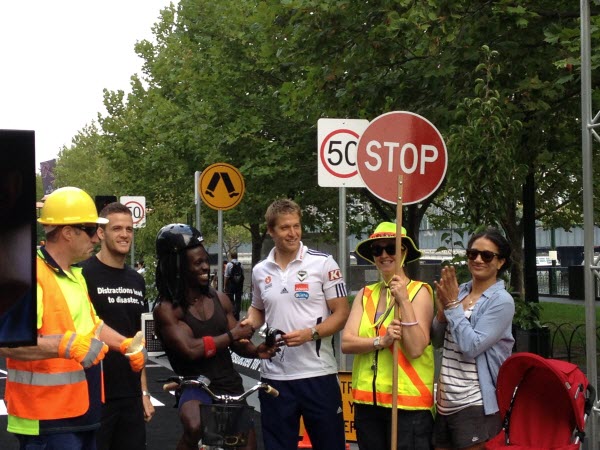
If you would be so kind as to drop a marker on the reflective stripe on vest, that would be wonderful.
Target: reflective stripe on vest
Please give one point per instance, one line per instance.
(415, 376)
(45, 379)
(52, 388)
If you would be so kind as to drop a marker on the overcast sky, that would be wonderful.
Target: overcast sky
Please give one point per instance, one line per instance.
(57, 56)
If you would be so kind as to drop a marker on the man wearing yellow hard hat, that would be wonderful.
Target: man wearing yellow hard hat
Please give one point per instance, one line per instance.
(54, 390)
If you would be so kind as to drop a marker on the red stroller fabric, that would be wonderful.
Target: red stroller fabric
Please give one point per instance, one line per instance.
(550, 401)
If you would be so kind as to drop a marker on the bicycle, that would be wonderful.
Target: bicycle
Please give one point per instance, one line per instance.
(226, 423)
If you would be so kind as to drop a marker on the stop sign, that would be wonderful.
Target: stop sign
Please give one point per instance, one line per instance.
(402, 142)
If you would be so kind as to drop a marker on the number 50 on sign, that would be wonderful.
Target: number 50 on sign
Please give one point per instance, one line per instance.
(137, 206)
(338, 141)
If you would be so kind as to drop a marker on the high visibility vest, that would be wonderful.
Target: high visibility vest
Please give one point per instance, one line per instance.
(372, 372)
(53, 388)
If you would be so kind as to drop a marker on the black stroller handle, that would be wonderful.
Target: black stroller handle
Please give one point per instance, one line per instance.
(590, 398)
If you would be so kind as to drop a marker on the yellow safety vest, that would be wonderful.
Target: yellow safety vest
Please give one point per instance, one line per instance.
(372, 371)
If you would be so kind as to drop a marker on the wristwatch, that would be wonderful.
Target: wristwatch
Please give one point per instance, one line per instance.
(377, 343)
(314, 334)
(146, 393)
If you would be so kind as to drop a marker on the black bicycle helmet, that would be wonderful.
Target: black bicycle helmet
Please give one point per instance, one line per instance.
(176, 237)
(172, 242)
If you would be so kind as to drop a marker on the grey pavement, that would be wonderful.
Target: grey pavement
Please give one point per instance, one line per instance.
(563, 300)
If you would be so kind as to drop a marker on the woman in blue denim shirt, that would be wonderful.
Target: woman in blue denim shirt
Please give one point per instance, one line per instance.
(473, 325)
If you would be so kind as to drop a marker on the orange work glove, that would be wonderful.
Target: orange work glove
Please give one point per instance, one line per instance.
(85, 349)
(135, 351)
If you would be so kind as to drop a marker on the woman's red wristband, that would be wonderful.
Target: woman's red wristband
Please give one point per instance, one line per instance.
(210, 349)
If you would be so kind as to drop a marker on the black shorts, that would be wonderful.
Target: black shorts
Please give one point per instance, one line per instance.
(373, 428)
(465, 428)
(123, 426)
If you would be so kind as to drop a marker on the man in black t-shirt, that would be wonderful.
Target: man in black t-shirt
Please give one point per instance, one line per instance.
(117, 292)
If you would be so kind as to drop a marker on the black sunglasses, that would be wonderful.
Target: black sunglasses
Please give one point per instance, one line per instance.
(377, 250)
(90, 230)
(486, 255)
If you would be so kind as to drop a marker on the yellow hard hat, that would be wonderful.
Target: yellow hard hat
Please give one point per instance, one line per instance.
(68, 206)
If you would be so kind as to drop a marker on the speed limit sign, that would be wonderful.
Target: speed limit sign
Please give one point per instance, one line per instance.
(137, 206)
(338, 141)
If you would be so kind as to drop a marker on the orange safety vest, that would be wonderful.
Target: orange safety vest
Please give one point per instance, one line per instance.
(53, 388)
(415, 376)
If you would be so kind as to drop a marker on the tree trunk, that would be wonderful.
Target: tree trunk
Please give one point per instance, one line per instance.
(514, 234)
(531, 284)
(258, 239)
(412, 222)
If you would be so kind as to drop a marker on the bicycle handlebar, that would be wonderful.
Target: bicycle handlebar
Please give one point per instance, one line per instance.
(176, 382)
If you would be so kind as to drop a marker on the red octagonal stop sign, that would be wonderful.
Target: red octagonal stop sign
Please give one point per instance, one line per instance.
(402, 142)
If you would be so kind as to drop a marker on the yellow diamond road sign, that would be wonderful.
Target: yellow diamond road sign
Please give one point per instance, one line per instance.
(221, 186)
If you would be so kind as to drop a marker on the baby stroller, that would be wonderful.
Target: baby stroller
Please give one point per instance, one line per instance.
(544, 404)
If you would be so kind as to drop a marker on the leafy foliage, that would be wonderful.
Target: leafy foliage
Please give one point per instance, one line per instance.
(527, 314)
(245, 81)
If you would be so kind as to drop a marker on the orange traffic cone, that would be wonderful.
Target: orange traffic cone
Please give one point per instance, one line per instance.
(305, 442)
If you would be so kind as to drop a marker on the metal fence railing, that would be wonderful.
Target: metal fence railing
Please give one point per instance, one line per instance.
(553, 280)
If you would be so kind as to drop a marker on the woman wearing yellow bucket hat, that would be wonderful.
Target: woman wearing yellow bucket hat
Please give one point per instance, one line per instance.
(369, 334)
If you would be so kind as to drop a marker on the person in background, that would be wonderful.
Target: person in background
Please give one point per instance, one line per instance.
(117, 292)
(196, 326)
(214, 279)
(225, 262)
(302, 293)
(140, 267)
(53, 389)
(473, 325)
(370, 334)
(234, 283)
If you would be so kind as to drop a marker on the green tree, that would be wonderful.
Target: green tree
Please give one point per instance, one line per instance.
(84, 166)
(245, 82)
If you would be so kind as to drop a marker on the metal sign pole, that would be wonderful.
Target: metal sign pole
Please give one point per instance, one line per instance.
(197, 198)
(133, 249)
(220, 268)
(588, 124)
(342, 259)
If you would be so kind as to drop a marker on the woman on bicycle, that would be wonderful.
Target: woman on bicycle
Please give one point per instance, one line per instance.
(196, 326)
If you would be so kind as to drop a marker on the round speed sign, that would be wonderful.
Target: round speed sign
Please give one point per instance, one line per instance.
(137, 206)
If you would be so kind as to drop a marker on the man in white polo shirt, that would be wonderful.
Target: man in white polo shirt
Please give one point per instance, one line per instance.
(302, 293)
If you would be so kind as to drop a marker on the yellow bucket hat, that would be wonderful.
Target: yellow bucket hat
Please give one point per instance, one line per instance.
(387, 230)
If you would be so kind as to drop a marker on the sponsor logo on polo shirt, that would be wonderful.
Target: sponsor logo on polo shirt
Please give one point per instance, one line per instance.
(335, 274)
(301, 290)
(268, 283)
